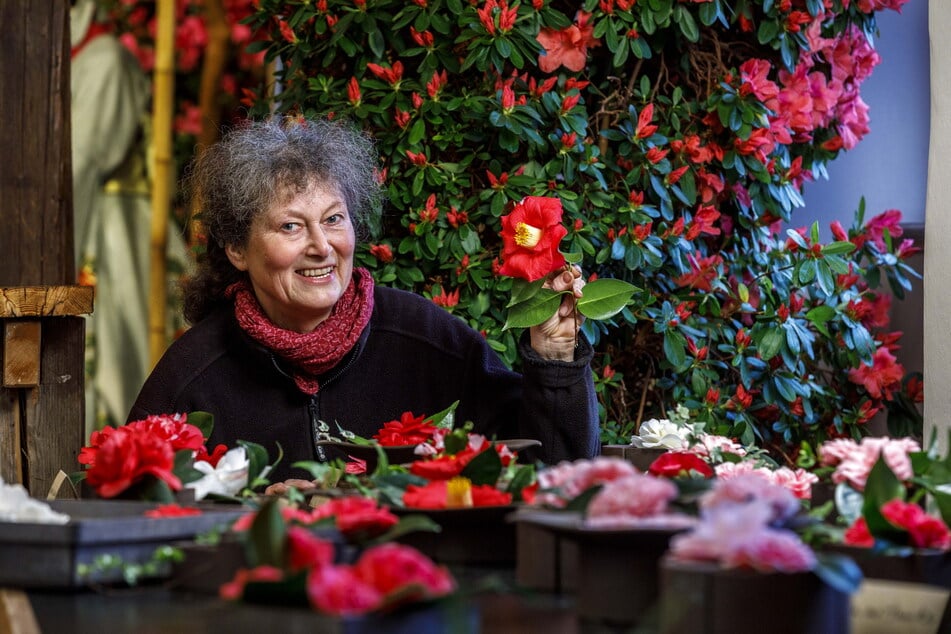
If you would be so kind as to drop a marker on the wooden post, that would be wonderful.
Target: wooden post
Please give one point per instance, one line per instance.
(42, 331)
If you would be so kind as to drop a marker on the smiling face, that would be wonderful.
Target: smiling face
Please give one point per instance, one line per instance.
(299, 256)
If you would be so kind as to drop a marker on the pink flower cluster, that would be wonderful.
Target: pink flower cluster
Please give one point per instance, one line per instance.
(798, 481)
(383, 577)
(561, 483)
(854, 460)
(736, 528)
(637, 500)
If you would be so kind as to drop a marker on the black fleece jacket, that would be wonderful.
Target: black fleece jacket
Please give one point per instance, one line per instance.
(413, 356)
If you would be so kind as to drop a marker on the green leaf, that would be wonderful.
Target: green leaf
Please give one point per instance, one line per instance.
(257, 461)
(267, 536)
(205, 421)
(771, 343)
(675, 348)
(604, 298)
(533, 311)
(881, 486)
(484, 468)
(523, 290)
(524, 476)
(838, 248)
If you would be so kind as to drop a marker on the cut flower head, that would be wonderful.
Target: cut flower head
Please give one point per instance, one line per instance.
(531, 235)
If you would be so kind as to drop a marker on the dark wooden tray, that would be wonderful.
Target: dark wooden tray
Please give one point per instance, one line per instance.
(34, 555)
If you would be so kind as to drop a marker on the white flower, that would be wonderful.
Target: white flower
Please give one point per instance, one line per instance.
(16, 505)
(662, 434)
(228, 478)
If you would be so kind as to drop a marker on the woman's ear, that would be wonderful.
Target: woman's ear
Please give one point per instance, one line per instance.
(236, 257)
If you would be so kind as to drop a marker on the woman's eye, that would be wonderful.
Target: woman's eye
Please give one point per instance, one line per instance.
(334, 219)
(289, 226)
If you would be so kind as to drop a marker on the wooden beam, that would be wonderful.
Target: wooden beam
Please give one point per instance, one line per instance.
(21, 353)
(45, 301)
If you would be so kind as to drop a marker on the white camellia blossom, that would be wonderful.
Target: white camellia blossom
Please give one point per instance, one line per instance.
(16, 505)
(228, 478)
(661, 434)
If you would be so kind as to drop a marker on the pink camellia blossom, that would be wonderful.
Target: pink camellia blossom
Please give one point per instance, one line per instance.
(637, 495)
(567, 480)
(736, 530)
(744, 488)
(853, 461)
(771, 550)
(712, 445)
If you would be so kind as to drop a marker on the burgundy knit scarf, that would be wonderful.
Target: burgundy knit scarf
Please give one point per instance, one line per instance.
(311, 353)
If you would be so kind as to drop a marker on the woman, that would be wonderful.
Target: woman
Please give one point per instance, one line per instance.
(290, 343)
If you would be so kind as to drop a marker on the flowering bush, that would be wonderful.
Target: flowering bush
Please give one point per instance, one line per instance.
(678, 137)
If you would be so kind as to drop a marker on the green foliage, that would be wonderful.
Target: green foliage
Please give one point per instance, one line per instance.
(678, 151)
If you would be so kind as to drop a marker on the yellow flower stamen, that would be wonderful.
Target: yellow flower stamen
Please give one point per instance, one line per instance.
(527, 236)
(458, 493)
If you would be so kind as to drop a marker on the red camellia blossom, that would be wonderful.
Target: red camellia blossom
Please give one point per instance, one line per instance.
(408, 430)
(675, 464)
(392, 567)
(924, 531)
(433, 495)
(125, 456)
(567, 47)
(357, 517)
(531, 234)
(172, 510)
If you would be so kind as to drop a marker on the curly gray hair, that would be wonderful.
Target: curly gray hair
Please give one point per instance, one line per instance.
(263, 163)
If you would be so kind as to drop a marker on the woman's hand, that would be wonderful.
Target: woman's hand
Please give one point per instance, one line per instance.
(280, 488)
(555, 338)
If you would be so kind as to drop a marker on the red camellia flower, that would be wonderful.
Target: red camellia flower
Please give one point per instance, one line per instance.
(339, 591)
(125, 456)
(531, 234)
(858, 534)
(408, 430)
(393, 567)
(433, 495)
(675, 464)
(172, 510)
(925, 531)
(171, 428)
(357, 517)
(306, 550)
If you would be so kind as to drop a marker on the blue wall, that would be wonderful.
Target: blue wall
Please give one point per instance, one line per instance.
(889, 167)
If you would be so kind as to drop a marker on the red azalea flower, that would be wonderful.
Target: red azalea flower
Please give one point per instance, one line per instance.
(676, 464)
(172, 510)
(433, 496)
(531, 234)
(567, 47)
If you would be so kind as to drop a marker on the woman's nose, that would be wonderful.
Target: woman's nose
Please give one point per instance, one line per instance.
(318, 241)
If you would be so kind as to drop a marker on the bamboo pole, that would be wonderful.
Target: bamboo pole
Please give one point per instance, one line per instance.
(213, 65)
(163, 104)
